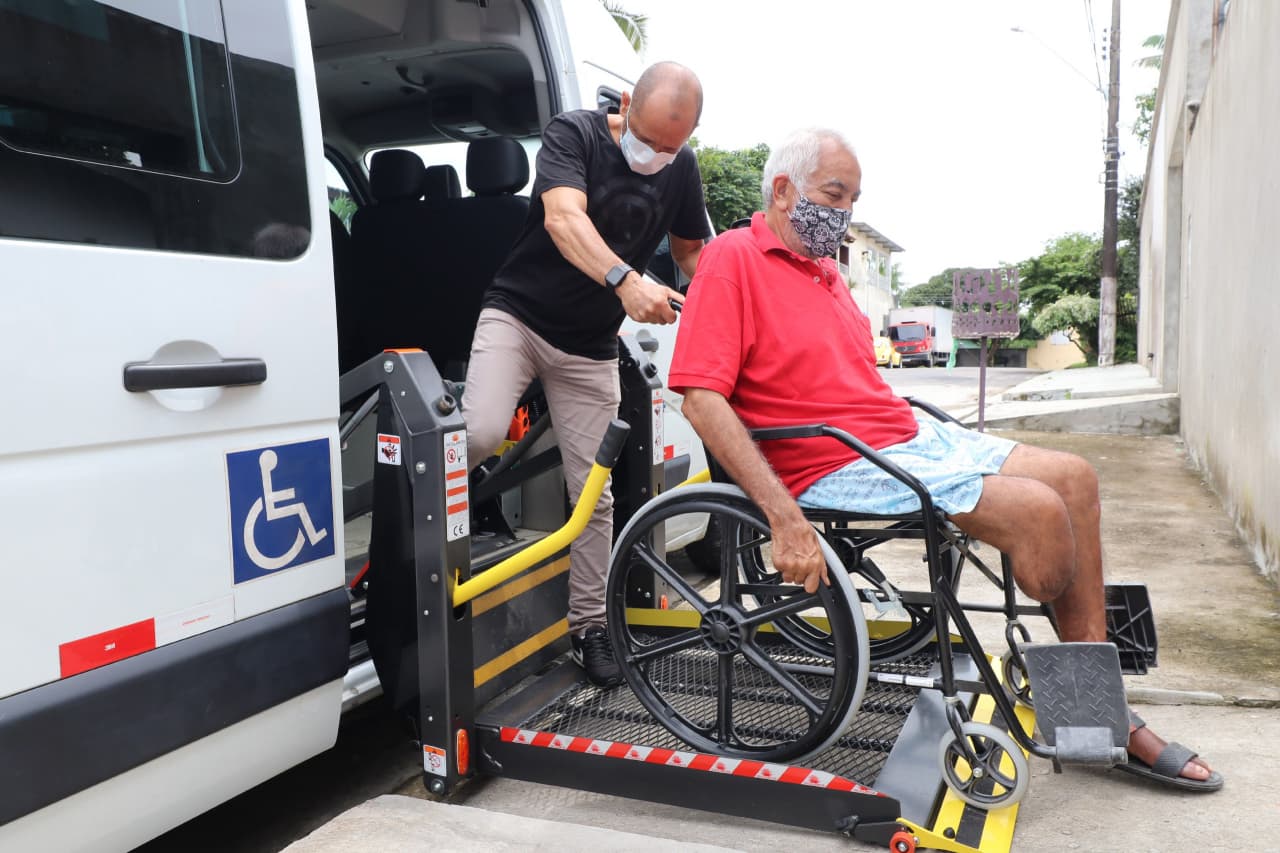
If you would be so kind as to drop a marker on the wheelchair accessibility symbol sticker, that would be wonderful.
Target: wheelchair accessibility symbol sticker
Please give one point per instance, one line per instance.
(281, 507)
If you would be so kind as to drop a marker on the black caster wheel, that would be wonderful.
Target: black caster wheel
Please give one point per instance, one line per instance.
(752, 667)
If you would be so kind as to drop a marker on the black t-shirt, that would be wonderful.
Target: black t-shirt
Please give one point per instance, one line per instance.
(632, 212)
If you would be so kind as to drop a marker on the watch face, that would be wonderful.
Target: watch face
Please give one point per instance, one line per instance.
(617, 275)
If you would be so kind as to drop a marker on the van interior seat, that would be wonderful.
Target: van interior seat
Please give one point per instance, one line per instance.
(441, 182)
(474, 236)
(393, 266)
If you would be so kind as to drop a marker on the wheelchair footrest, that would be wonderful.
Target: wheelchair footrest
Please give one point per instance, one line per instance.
(1131, 626)
(1080, 701)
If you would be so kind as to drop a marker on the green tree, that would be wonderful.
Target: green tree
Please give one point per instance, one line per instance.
(896, 285)
(1059, 286)
(1147, 102)
(344, 205)
(936, 291)
(731, 181)
(634, 26)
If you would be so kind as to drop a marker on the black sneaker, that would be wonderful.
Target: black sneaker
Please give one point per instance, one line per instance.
(592, 652)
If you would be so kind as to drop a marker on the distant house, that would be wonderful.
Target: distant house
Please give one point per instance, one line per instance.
(866, 262)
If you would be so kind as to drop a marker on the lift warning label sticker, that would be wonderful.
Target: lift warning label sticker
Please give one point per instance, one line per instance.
(658, 406)
(389, 449)
(456, 506)
(434, 760)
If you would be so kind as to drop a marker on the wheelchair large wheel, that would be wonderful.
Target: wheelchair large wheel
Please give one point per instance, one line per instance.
(727, 675)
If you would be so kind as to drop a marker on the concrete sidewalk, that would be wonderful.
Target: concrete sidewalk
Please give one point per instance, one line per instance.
(1218, 682)
(1121, 400)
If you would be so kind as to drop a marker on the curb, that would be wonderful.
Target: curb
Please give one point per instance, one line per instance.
(1161, 696)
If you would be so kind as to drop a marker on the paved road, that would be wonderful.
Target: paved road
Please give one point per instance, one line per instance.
(954, 390)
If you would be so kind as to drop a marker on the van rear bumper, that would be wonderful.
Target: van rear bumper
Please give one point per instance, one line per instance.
(68, 735)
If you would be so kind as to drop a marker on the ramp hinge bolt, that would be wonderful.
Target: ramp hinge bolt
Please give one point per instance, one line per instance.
(388, 365)
(421, 467)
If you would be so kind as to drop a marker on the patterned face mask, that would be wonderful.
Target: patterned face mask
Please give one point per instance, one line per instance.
(820, 228)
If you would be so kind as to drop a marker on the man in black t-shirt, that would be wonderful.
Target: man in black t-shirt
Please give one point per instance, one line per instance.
(608, 189)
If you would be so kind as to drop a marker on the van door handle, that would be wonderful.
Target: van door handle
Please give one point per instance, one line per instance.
(150, 376)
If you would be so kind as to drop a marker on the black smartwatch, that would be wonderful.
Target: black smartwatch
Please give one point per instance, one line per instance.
(616, 276)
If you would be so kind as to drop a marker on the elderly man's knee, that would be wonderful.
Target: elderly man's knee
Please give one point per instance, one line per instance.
(1080, 485)
(1047, 558)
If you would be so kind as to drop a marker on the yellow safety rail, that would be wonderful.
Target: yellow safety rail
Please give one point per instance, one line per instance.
(539, 551)
(703, 476)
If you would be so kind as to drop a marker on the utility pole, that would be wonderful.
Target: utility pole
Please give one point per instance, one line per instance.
(1111, 196)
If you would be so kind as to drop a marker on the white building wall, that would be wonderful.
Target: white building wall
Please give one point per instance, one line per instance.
(1211, 254)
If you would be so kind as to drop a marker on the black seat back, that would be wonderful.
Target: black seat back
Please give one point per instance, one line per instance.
(393, 265)
(473, 237)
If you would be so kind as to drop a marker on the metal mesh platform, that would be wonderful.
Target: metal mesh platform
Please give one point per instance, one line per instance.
(688, 679)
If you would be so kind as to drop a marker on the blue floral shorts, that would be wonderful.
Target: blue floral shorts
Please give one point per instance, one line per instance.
(949, 460)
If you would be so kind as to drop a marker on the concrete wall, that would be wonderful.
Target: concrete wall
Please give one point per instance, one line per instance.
(1209, 296)
(1048, 355)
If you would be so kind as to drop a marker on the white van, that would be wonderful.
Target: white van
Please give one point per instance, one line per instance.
(177, 534)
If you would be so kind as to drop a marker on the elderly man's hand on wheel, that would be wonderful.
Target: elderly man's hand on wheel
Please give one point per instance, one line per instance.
(797, 556)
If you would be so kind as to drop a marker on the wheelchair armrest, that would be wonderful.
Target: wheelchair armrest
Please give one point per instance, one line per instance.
(933, 410)
(863, 450)
(773, 433)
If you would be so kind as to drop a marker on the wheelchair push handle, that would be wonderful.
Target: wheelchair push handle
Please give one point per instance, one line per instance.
(611, 446)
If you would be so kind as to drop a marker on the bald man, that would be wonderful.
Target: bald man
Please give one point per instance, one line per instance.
(608, 189)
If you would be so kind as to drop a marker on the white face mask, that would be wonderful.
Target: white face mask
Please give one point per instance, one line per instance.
(642, 159)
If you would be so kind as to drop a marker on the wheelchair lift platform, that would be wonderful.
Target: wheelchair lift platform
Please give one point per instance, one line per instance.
(879, 783)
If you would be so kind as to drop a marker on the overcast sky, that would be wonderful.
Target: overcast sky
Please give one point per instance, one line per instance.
(977, 144)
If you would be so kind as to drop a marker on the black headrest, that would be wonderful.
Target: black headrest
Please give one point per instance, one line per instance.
(395, 174)
(442, 182)
(496, 165)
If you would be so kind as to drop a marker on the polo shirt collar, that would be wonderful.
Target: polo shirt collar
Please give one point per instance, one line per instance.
(768, 242)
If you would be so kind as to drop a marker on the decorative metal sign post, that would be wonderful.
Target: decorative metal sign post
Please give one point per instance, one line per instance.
(985, 303)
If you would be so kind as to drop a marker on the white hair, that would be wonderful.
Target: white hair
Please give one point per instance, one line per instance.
(797, 158)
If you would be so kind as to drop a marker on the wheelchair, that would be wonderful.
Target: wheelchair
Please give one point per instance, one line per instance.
(758, 669)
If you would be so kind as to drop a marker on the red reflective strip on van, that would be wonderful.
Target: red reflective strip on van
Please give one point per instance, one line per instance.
(108, 647)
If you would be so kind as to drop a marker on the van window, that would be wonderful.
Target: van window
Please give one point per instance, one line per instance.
(154, 124)
(111, 86)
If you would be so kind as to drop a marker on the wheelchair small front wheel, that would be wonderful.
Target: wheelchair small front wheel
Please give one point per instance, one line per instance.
(726, 667)
(984, 767)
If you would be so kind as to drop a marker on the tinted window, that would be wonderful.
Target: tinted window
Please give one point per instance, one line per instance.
(155, 124)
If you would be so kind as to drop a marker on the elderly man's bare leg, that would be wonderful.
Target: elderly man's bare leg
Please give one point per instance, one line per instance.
(1042, 509)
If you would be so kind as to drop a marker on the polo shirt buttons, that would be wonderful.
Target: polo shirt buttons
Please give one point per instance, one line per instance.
(817, 279)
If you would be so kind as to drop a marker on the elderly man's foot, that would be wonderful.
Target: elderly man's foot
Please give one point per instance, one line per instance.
(1167, 763)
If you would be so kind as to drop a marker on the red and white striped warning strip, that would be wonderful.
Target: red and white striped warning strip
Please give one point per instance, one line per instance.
(687, 760)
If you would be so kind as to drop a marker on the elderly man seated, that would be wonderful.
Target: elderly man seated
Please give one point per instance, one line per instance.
(771, 337)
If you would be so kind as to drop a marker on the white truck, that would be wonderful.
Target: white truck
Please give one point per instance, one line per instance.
(189, 555)
(921, 335)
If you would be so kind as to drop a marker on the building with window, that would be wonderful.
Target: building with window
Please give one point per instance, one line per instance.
(866, 263)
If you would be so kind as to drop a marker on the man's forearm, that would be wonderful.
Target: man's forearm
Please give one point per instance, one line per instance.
(724, 434)
(581, 244)
(686, 254)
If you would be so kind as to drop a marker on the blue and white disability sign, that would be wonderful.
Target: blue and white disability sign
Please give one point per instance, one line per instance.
(281, 507)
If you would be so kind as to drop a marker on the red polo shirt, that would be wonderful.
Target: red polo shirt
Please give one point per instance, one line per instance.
(780, 337)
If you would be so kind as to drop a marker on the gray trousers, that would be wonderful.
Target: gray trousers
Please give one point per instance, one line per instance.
(583, 395)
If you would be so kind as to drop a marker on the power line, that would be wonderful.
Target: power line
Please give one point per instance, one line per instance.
(1093, 40)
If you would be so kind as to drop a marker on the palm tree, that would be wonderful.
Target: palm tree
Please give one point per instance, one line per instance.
(1153, 61)
(631, 24)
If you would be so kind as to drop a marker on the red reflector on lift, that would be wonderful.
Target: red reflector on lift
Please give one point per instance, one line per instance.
(463, 752)
(662, 602)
